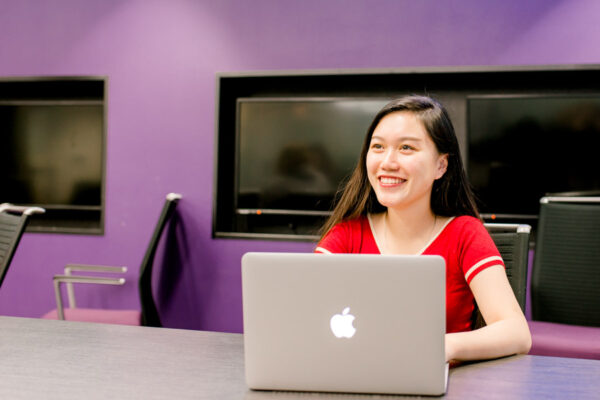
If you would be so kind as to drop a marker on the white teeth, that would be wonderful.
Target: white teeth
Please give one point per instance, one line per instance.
(390, 181)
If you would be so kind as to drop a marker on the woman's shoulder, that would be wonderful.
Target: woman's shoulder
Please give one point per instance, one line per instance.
(353, 223)
(465, 220)
(346, 236)
(348, 228)
(465, 224)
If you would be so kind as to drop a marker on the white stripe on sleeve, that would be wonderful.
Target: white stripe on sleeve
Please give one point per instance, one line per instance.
(322, 250)
(480, 263)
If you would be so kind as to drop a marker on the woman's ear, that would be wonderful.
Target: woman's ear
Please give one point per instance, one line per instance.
(442, 166)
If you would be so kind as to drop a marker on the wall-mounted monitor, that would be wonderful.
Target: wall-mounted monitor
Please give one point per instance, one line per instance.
(50, 153)
(292, 154)
(52, 150)
(523, 147)
(286, 139)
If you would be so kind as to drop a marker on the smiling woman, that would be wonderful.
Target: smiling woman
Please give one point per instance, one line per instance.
(403, 162)
(420, 118)
(409, 195)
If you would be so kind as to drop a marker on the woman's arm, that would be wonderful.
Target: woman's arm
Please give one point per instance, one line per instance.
(506, 332)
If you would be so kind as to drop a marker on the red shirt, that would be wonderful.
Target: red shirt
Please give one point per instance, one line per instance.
(464, 243)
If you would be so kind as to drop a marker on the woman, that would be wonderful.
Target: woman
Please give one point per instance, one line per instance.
(409, 195)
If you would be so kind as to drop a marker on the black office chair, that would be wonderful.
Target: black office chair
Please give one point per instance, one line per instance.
(148, 316)
(512, 241)
(13, 220)
(565, 278)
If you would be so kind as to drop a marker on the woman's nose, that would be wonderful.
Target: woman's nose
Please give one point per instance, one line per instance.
(390, 160)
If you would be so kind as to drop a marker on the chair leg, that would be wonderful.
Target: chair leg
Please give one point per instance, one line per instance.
(59, 303)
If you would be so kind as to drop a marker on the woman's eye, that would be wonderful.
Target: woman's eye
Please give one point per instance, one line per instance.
(406, 147)
(376, 146)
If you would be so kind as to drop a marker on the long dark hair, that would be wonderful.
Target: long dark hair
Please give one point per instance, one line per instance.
(451, 195)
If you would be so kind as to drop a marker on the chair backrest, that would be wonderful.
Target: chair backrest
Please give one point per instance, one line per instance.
(150, 316)
(13, 220)
(512, 241)
(565, 278)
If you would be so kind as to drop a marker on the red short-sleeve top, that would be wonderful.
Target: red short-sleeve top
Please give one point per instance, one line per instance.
(463, 242)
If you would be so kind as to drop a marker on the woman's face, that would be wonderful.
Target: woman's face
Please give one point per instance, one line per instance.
(402, 161)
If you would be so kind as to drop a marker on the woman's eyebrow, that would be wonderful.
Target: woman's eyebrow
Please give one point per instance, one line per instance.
(411, 138)
(401, 138)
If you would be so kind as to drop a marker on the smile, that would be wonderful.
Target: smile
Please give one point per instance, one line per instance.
(389, 181)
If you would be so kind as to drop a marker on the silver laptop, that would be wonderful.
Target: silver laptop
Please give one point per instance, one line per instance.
(345, 323)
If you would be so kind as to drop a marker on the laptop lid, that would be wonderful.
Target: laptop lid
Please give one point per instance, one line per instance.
(345, 323)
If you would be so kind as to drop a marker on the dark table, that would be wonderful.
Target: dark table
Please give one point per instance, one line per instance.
(47, 359)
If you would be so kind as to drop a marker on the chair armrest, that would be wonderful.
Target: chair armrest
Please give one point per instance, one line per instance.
(87, 268)
(88, 279)
(570, 199)
(7, 207)
(93, 268)
(497, 227)
(69, 279)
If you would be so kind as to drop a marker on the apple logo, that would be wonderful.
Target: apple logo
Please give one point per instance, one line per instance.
(341, 324)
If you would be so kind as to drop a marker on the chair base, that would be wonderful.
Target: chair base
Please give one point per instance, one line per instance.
(560, 340)
(119, 317)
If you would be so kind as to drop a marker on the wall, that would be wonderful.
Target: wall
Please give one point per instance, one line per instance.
(161, 58)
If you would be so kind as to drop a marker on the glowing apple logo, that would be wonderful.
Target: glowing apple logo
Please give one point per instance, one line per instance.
(341, 324)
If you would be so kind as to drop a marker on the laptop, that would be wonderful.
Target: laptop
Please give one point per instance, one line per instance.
(345, 323)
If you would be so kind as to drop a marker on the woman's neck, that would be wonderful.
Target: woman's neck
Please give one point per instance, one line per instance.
(407, 231)
(408, 225)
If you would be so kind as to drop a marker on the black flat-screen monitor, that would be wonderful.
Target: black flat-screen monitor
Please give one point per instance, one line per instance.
(49, 153)
(521, 148)
(293, 154)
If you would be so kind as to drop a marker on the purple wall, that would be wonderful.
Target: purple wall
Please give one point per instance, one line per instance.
(161, 58)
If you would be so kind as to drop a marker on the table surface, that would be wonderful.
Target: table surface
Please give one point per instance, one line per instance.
(47, 359)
